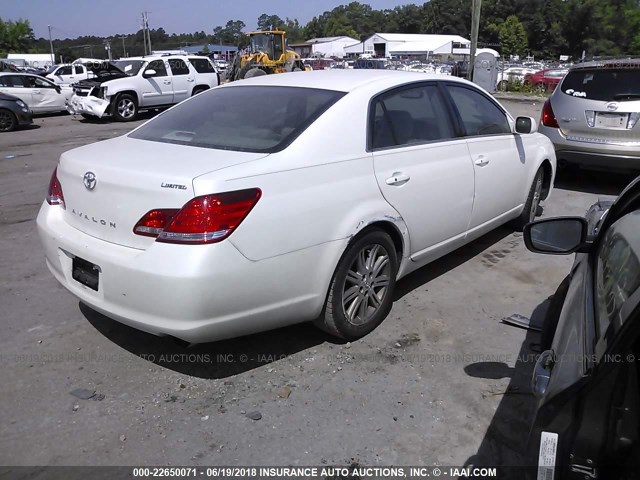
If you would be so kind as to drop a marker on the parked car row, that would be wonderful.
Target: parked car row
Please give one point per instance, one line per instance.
(120, 89)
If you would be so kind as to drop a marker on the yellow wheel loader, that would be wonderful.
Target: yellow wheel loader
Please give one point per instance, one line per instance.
(267, 54)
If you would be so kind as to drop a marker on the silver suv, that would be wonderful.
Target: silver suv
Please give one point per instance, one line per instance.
(593, 116)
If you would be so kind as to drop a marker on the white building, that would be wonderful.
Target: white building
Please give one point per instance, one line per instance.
(35, 60)
(323, 47)
(409, 44)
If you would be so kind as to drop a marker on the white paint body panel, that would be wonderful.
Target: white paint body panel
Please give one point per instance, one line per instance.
(276, 268)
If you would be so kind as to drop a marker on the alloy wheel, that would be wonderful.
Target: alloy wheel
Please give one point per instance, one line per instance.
(366, 284)
(126, 108)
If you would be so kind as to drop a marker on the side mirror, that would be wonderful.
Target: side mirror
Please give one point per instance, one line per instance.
(526, 125)
(556, 236)
(149, 73)
(58, 88)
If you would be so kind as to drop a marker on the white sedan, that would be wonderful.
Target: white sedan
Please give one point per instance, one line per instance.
(287, 198)
(40, 94)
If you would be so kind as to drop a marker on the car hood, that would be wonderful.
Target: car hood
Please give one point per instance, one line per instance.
(8, 98)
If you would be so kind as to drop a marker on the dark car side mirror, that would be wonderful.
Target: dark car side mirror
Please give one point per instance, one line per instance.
(58, 88)
(526, 125)
(557, 236)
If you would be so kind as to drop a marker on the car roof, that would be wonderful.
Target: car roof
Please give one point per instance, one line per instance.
(627, 63)
(346, 80)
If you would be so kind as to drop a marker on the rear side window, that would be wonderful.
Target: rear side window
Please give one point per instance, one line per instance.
(14, 81)
(202, 65)
(410, 116)
(79, 70)
(603, 84)
(479, 115)
(178, 67)
(247, 119)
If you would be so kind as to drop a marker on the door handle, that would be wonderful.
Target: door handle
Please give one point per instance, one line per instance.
(397, 179)
(35, 91)
(542, 373)
(481, 161)
(191, 79)
(167, 82)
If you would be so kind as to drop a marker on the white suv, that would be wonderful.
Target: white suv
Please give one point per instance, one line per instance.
(124, 87)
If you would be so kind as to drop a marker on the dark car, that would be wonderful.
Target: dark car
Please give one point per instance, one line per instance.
(587, 380)
(13, 112)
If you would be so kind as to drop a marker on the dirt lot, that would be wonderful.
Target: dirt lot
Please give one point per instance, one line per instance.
(438, 383)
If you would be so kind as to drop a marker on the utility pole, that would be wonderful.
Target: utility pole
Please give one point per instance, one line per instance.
(107, 47)
(475, 25)
(144, 33)
(124, 50)
(145, 28)
(53, 57)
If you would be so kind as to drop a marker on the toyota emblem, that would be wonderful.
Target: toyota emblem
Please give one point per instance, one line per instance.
(90, 180)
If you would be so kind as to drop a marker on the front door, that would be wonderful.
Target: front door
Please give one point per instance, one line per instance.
(158, 87)
(500, 164)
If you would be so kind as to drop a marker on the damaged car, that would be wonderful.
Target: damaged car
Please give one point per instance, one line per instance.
(121, 89)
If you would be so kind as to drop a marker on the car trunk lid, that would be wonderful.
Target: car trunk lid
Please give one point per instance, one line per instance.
(109, 186)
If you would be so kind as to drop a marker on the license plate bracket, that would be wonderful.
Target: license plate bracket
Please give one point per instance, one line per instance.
(86, 273)
(611, 120)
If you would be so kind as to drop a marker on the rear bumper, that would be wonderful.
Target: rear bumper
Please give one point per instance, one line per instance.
(88, 105)
(592, 154)
(197, 293)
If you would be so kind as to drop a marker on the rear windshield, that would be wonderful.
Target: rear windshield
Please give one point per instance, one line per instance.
(243, 118)
(605, 84)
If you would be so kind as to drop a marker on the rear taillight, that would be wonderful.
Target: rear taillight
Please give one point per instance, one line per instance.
(55, 195)
(206, 219)
(153, 222)
(548, 118)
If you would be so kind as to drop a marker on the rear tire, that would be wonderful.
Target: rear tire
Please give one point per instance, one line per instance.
(361, 293)
(8, 121)
(530, 210)
(125, 108)
(198, 90)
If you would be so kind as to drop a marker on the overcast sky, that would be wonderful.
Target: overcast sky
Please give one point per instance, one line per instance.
(72, 18)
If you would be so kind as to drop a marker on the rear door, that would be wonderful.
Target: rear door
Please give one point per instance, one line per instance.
(157, 88)
(500, 163)
(183, 79)
(600, 104)
(15, 85)
(422, 167)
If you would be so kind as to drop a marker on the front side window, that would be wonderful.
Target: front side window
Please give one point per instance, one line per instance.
(479, 115)
(603, 84)
(617, 270)
(409, 116)
(37, 82)
(64, 70)
(159, 67)
(247, 119)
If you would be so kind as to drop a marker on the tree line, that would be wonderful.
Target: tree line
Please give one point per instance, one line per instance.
(543, 28)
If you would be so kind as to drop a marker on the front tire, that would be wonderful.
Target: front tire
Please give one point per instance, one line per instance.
(8, 122)
(530, 210)
(125, 108)
(254, 72)
(361, 292)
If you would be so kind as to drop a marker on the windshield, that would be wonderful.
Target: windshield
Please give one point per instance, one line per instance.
(262, 42)
(263, 119)
(130, 67)
(604, 84)
(52, 69)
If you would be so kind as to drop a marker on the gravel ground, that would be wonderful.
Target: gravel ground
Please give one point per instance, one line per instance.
(438, 383)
